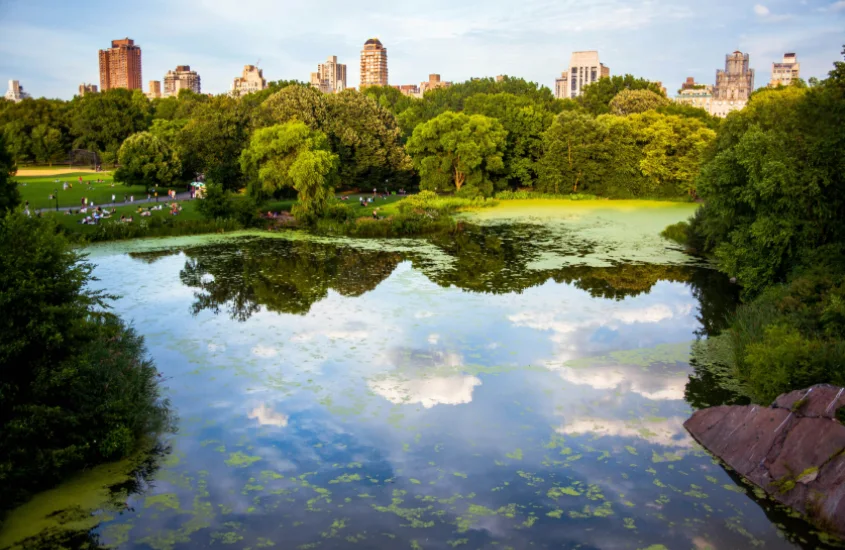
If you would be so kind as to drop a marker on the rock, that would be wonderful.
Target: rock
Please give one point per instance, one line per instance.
(793, 450)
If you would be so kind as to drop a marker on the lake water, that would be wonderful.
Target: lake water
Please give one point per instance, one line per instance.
(520, 384)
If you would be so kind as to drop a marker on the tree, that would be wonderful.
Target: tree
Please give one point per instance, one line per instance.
(576, 154)
(455, 149)
(146, 160)
(212, 141)
(597, 96)
(76, 385)
(291, 155)
(47, 143)
(102, 121)
(216, 203)
(628, 102)
(525, 122)
(9, 195)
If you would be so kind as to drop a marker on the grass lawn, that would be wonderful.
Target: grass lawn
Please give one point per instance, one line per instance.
(386, 207)
(71, 222)
(37, 189)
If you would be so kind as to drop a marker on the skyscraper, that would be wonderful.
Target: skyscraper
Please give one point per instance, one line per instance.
(373, 64)
(15, 92)
(330, 77)
(584, 69)
(120, 66)
(784, 73)
(154, 89)
(87, 89)
(183, 78)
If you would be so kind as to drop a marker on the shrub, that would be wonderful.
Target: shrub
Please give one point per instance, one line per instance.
(76, 386)
(533, 195)
(216, 204)
(677, 232)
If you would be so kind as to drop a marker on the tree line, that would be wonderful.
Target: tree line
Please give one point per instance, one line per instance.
(622, 138)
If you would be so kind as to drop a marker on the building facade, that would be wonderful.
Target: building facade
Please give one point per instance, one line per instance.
(434, 82)
(373, 64)
(584, 69)
(733, 85)
(411, 90)
(87, 89)
(15, 92)
(183, 78)
(695, 95)
(251, 80)
(120, 65)
(330, 77)
(785, 72)
(155, 89)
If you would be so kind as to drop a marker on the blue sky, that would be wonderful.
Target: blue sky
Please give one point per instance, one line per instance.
(51, 47)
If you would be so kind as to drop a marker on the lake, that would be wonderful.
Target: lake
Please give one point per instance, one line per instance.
(520, 383)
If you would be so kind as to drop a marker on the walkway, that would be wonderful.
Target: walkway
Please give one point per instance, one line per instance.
(184, 196)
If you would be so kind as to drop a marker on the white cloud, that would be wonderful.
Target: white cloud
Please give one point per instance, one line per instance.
(266, 416)
(433, 339)
(761, 10)
(668, 432)
(657, 387)
(428, 392)
(264, 351)
(838, 6)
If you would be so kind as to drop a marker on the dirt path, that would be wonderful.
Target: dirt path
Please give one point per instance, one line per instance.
(53, 171)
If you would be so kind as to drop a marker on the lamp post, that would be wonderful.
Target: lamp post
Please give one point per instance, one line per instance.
(56, 196)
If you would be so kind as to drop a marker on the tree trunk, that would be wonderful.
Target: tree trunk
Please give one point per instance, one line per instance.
(460, 177)
(577, 178)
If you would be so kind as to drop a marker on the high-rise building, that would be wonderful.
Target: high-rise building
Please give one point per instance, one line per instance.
(155, 89)
(251, 80)
(15, 92)
(733, 85)
(330, 77)
(584, 69)
(373, 64)
(87, 89)
(785, 72)
(120, 65)
(183, 78)
(433, 83)
(411, 90)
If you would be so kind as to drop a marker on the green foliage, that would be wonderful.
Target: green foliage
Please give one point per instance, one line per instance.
(9, 195)
(102, 121)
(596, 97)
(534, 195)
(146, 160)
(36, 129)
(576, 154)
(678, 232)
(292, 155)
(629, 102)
(455, 149)
(525, 122)
(76, 387)
(216, 203)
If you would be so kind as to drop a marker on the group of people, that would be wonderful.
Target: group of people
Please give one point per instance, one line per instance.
(96, 215)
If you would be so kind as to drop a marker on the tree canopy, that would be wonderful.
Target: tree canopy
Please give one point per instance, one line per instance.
(147, 160)
(460, 151)
(597, 96)
(629, 102)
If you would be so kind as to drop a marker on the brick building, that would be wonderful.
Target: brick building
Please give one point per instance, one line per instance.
(120, 66)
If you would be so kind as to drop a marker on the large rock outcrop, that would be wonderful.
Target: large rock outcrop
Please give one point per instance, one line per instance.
(794, 450)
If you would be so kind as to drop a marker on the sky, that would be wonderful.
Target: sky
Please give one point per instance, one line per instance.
(51, 46)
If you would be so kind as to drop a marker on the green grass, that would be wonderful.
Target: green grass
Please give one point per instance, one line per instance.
(37, 190)
(71, 222)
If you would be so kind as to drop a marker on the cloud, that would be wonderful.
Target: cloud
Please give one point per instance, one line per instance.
(837, 6)
(266, 416)
(667, 432)
(264, 351)
(428, 392)
(658, 386)
(761, 10)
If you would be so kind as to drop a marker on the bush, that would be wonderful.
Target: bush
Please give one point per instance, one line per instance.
(76, 386)
(677, 232)
(216, 204)
(532, 195)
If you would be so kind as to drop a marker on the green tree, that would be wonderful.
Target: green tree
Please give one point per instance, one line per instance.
(102, 121)
(76, 386)
(628, 102)
(47, 143)
(212, 141)
(455, 149)
(291, 155)
(9, 195)
(147, 160)
(597, 96)
(576, 154)
(216, 203)
(525, 122)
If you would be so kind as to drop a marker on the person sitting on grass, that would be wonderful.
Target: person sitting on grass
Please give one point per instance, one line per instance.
(375, 214)
(146, 214)
(122, 218)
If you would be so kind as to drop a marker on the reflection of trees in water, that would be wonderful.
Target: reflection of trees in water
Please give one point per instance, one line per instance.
(290, 276)
(66, 529)
(152, 256)
(283, 276)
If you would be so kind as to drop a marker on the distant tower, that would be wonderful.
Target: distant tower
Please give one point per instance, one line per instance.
(15, 92)
(736, 82)
(330, 77)
(183, 78)
(584, 69)
(373, 64)
(87, 89)
(120, 66)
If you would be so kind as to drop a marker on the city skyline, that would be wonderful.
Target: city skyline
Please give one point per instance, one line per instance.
(50, 51)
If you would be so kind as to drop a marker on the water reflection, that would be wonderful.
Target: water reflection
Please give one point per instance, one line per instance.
(482, 393)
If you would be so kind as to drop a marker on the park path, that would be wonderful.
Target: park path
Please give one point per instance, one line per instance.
(183, 196)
